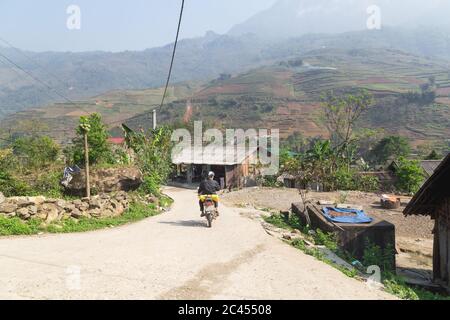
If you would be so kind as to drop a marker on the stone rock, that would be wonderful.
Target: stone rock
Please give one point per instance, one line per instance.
(96, 213)
(8, 207)
(108, 213)
(61, 203)
(117, 207)
(94, 204)
(2, 198)
(77, 202)
(69, 207)
(51, 201)
(107, 180)
(24, 202)
(65, 215)
(152, 199)
(23, 213)
(36, 200)
(32, 210)
(83, 206)
(77, 214)
(51, 211)
(41, 214)
(287, 237)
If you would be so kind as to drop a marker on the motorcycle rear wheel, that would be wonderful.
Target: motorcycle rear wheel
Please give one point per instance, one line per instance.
(209, 218)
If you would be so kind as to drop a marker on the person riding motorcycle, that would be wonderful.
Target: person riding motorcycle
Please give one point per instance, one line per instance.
(208, 186)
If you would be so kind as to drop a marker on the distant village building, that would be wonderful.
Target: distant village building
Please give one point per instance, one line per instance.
(433, 199)
(429, 167)
(235, 168)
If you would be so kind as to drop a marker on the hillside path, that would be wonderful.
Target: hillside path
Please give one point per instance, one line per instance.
(171, 256)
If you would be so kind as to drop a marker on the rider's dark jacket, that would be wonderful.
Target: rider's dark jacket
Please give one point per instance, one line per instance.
(208, 187)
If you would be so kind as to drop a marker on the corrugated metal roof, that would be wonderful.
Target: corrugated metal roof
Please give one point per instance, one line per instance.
(430, 166)
(212, 155)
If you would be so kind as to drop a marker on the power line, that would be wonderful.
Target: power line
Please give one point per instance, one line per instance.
(35, 78)
(20, 75)
(35, 62)
(173, 55)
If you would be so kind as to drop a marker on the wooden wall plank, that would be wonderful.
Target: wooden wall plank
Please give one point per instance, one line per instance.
(444, 248)
(436, 253)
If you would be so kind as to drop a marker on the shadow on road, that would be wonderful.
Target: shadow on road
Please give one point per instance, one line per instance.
(189, 223)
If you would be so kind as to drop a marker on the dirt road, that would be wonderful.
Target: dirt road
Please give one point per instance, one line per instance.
(172, 256)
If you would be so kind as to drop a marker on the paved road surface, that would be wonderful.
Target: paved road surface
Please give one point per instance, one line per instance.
(172, 256)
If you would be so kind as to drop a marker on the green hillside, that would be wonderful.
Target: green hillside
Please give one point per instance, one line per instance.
(284, 95)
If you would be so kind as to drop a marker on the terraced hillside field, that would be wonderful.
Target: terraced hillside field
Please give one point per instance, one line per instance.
(286, 95)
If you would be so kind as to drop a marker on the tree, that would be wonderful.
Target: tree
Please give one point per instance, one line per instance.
(367, 140)
(390, 148)
(295, 142)
(410, 175)
(99, 148)
(37, 151)
(341, 116)
(304, 173)
(153, 156)
(433, 156)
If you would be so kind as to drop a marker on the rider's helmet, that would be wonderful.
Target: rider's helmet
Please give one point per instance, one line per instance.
(211, 175)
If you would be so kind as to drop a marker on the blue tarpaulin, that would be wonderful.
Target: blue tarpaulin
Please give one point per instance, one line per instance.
(354, 216)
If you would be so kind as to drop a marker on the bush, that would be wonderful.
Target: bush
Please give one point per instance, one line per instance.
(368, 183)
(352, 180)
(38, 151)
(375, 256)
(11, 187)
(344, 179)
(269, 182)
(410, 176)
(48, 184)
(151, 184)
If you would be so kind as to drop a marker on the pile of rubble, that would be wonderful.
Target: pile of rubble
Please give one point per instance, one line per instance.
(51, 210)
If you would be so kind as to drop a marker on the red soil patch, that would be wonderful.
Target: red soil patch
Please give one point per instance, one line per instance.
(443, 91)
(445, 101)
(414, 80)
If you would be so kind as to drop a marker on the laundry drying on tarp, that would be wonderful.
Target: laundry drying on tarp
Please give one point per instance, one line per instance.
(341, 215)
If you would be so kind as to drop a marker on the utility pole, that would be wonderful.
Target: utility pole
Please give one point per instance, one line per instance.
(154, 119)
(86, 160)
(85, 128)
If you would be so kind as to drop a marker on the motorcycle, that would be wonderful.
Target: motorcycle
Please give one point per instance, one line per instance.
(209, 209)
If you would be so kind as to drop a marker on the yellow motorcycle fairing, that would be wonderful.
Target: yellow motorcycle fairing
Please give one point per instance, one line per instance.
(214, 197)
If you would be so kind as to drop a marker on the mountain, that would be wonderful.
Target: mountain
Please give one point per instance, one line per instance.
(285, 94)
(83, 75)
(293, 18)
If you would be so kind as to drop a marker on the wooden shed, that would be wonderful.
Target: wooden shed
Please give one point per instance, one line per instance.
(433, 199)
(235, 168)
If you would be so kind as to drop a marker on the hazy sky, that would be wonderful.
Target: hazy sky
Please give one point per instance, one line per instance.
(116, 25)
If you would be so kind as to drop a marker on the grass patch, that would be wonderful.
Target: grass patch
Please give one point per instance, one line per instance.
(281, 222)
(165, 201)
(15, 226)
(396, 285)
